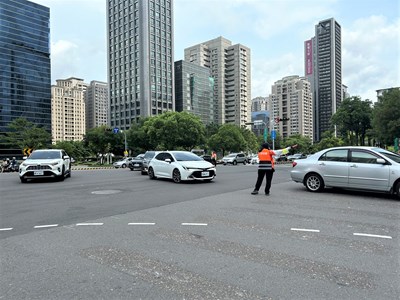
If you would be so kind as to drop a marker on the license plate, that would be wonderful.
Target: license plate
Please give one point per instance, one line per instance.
(136, 165)
(205, 174)
(38, 173)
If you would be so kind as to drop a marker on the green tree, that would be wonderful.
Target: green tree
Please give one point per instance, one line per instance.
(75, 149)
(25, 134)
(252, 143)
(328, 140)
(304, 144)
(174, 130)
(353, 119)
(386, 117)
(99, 141)
(228, 138)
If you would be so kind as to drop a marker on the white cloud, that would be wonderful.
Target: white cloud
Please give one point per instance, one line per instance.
(65, 59)
(371, 56)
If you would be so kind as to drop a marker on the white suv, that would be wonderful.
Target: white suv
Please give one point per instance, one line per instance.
(234, 159)
(46, 163)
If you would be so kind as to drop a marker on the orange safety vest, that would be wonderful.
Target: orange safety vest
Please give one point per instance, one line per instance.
(266, 160)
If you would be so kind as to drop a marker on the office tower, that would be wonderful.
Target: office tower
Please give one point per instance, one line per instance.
(231, 68)
(259, 103)
(25, 83)
(68, 110)
(140, 59)
(292, 99)
(96, 104)
(323, 68)
(194, 88)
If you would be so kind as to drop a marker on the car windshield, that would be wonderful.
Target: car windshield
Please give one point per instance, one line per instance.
(393, 156)
(232, 155)
(186, 156)
(45, 155)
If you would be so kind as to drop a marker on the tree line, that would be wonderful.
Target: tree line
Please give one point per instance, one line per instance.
(356, 122)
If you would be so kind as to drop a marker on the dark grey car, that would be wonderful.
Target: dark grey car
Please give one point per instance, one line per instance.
(146, 159)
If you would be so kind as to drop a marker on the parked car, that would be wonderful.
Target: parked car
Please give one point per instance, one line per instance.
(123, 163)
(234, 159)
(181, 165)
(296, 156)
(146, 159)
(361, 168)
(136, 162)
(283, 157)
(46, 163)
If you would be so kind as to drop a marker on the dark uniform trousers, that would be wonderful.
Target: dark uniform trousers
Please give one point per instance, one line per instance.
(268, 175)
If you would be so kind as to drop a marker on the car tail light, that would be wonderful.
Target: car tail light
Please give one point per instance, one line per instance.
(294, 164)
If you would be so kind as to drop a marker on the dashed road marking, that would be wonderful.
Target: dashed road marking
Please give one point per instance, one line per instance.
(304, 229)
(194, 224)
(141, 223)
(89, 224)
(6, 229)
(46, 226)
(373, 235)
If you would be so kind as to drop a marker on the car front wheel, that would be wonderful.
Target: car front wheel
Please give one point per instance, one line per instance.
(314, 183)
(234, 163)
(176, 176)
(123, 166)
(150, 172)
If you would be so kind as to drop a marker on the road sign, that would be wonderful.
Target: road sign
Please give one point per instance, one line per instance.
(115, 130)
(273, 134)
(265, 134)
(27, 151)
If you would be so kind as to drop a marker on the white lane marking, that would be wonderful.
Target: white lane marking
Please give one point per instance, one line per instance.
(46, 226)
(303, 229)
(6, 229)
(141, 223)
(194, 224)
(89, 224)
(373, 235)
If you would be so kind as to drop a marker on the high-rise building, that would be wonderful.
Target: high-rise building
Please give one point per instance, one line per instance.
(259, 104)
(292, 100)
(323, 68)
(231, 68)
(140, 59)
(25, 81)
(68, 110)
(194, 89)
(96, 105)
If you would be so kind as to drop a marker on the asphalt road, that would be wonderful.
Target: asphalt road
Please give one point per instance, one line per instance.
(115, 234)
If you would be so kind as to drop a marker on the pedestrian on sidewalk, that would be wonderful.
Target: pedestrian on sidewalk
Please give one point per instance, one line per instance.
(266, 167)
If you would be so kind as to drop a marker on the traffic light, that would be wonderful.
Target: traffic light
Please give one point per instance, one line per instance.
(277, 119)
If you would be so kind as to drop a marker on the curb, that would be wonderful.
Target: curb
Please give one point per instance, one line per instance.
(93, 168)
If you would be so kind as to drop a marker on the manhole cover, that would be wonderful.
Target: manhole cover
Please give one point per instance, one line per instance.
(106, 192)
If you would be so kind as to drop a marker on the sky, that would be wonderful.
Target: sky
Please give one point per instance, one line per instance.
(274, 30)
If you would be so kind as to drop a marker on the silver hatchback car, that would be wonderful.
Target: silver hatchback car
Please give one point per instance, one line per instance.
(361, 168)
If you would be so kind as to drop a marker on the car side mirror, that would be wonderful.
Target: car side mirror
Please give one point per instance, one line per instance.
(380, 161)
(168, 160)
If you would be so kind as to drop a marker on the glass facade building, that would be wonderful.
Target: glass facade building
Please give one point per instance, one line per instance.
(194, 90)
(25, 82)
(140, 59)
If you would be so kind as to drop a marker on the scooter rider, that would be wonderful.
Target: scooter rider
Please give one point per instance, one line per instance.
(14, 163)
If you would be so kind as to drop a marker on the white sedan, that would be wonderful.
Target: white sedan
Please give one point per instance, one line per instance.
(181, 165)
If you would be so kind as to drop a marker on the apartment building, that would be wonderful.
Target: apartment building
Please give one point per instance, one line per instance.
(230, 67)
(68, 110)
(291, 99)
